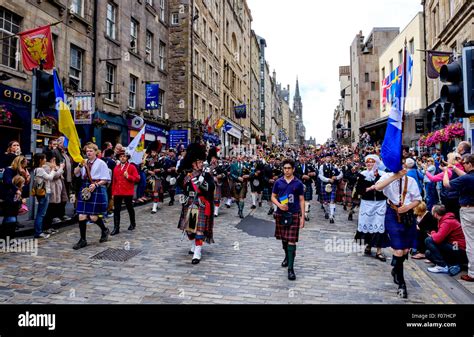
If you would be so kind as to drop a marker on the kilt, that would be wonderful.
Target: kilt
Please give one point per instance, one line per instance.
(225, 188)
(401, 237)
(158, 187)
(96, 205)
(328, 197)
(205, 223)
(267, 193)
(239, 193)
(348, 190)
(340, 191)
(308, 192)
(287, 233)
(258, 188)
(217, 195)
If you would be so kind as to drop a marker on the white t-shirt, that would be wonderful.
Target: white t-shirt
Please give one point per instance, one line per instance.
(99, 171)
(392, 191)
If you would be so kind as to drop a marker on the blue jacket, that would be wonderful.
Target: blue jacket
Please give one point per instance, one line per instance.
(418, 176)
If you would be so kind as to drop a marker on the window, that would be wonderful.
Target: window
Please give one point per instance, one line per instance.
(195, 106)
(175, 19)
(162, 55)
(203, 107)
(411, 46)
(216, 79)
(149, 46)
(75, 68)
(134, 36)
(110, 82)
(161, 103)
(204, 69)
(400, 56)
(383, 72)
(111, 20)
(391, 65)
(9, 25)
(216, 47)
(211, 76)
(196, 22)
(369, 104)
(209, 38)
(204, 32)
(162, 10)
(196, 62)
(372, 86)
(227, 32)
(77, 7)
(366, 77)
(149, 2)
(132, 92)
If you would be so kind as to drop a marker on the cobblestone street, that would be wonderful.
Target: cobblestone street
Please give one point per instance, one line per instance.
(238, 268)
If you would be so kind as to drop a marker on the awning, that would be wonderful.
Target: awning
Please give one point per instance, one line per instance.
(374, 124)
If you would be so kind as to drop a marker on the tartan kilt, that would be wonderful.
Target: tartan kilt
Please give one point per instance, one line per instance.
(287, 233)
(225, 189)
(217, 195)
(328, 197)
(96, 205)
(308, 192)
(267, 193)
(348, 195)
(239, 194)
(158, 186)
(340, 191)
(205, 223)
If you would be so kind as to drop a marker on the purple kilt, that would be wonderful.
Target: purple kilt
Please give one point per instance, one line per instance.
(287, 233)
(328, 197)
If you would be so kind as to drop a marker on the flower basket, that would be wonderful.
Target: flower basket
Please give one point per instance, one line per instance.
(5, 115)
(446, 135)
(48, 122)
(99, 123)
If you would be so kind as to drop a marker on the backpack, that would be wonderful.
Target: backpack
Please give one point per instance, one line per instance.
(39, 188)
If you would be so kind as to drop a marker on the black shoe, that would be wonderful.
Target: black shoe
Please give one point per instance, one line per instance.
(350, 217)
(253, 207)
(132, 227)
(306, 217)
(259, 204)
(331, 220)
(241, 215)
(285, 262)
(228, 206)
(105, 236)
(171, 203)
(395, 279)
(326, 216)
(270, 211)
(115, 231)
(81, 244)
(291, 275)
(195, 261)
(345, 208)
(402, 291)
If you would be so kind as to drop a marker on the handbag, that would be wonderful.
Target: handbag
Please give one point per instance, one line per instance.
(23, 209)
(39, 189)
(287, 219)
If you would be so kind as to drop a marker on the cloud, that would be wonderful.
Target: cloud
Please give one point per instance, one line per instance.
(311, 39)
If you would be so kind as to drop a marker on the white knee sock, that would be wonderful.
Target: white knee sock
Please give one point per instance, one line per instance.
(332, 207)
(306, 208)
(254, 199)
(216, 210)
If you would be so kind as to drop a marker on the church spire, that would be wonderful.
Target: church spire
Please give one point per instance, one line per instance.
(297, 90)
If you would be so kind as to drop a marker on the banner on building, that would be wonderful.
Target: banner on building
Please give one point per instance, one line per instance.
(83, 105)
(435, 60)
(178, 137)
(240, 111)
(37, 48)
(152, 98)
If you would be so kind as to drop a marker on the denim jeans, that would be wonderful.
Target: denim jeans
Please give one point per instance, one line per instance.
(432, 197)
(42, 208)
(141, 185)
(444, 254)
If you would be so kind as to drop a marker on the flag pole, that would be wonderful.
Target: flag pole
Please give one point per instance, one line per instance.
(20, 33)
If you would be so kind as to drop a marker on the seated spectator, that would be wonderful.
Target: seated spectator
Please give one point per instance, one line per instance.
(426, 223)
(446, 248)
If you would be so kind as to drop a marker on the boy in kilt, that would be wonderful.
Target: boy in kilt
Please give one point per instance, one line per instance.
(92, 201)
(288, 196)
(329, 175)
(306, 172)
(198, 188)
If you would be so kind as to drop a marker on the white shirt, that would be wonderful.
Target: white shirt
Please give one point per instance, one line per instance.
(392, 191)
(99, 171)
(326, 180)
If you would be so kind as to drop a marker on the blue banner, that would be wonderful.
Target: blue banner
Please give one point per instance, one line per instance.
(152, 98)
(155, 130)
(240, 111)
(211, 138)
(178, 137)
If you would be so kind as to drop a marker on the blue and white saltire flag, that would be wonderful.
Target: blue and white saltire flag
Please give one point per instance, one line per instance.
(392, 144)
(409, 68)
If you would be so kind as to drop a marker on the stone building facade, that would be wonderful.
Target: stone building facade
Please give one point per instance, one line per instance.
(342, 114)
(364, 54)
(255, 86)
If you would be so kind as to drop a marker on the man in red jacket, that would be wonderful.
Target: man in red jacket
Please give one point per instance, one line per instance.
(447, 247)
(123, 182)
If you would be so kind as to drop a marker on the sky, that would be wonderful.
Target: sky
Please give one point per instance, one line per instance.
(310, 39)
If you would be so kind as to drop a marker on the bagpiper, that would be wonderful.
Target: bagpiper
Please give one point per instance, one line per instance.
(329, 174)
(219, 173)
(239, 174)
(197, 183)
(171, 174)
(256, 182)
(268, 181)
(154, 171)
(306, 172)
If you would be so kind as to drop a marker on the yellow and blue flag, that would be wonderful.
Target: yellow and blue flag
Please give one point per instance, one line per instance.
(284, 200)
(66, 123)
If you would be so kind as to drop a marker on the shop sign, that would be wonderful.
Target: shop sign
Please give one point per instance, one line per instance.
(14, 95)
(420, 125)
(177, 137)
(83, 107)
(37, 124)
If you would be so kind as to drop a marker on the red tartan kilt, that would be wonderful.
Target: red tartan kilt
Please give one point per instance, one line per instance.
(287, 233)
(340, 191)
(348, 196)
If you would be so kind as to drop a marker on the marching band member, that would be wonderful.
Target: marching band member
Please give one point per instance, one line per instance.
(154, 169)
(403, 196)
(306, 172)
(171, 174)
(268, 182)
(197, 217)
(256, 182)
(92, 201)
(219, 174)
(239, 173)
(329, 174)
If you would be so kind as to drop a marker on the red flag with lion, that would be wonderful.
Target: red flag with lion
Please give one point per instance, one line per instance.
(37, 48)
